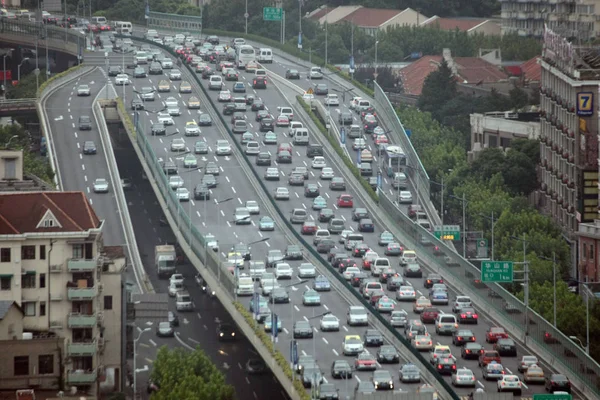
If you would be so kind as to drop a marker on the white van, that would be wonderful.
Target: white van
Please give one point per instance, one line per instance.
(379, 265)
(238, 42)
(301, 137)
(446, 324)
(184, 302)
(123, 27)
(362, 105)
(352, 240)
(245, 285)
(295, 125)
(299, 216)
(265, 56)
(215, 82)
(99, 20)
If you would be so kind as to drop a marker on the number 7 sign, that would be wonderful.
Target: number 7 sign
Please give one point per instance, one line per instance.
(585, 104)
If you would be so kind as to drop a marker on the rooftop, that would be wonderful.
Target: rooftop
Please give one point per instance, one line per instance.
(413, 76)
(451, 24)
(5, 306)
(25, 212)
(371, 17)
(477, 70)
(532, 70)
(113, 252)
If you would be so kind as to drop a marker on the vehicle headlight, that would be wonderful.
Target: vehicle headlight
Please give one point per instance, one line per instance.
(221, 334)
(232, 333)
(391, 383)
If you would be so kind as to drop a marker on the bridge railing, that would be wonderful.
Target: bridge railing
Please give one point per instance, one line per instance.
(18, 103)
(42, 31)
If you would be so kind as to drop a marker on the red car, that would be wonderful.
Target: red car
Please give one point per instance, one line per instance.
(381, 139)
(494, 333)
(309, 228)
(285, 147)
(345, 200)
(468, 316)
(429, 315)
(365, 361)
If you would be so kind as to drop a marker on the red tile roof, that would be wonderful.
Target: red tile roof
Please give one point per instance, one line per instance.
(451, 24)
(477, 70)
(321, 13)
(532, 71)
(371, 17)
(413, 76)
(22, 212)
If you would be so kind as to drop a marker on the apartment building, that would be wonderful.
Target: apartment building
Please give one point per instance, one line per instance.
(499, 129)
(471, 26)
(568, 171)
(12, 176)
(61, 293)
(570, 18)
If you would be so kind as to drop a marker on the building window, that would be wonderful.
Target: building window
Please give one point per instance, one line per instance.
(29, 308)
(108, 303)
(77, 251)
(584, 252)
(42, 252)
(42, 281)
(42, 308)
(28, 252)
(28, 281)
(5, 283)
(21, 365)
(591, 252)
(5, 254)
(46, 364)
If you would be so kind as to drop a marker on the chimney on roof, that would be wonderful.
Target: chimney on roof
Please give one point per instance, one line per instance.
(447, 55)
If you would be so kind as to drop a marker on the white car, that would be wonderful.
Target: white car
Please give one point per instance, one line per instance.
(406, 293)
(332, 100)
(344, 235)
(174, 111)
(315, 73)
(165, 119)
(83, 90)
(357, 315)
(211, 242)
(174, 75)
(349, 272)
(176, 182)
(354, 102)
(182, 194)
(329, 323)
(215, 82)
(283, 271)
(318, 162)
(166, 63)
(460, 303)
(223, 148)
(122, 79)
(253, 207)
(171, 102)
(192, 129)
(510, 383)
(225, 96)
(327, 173)
(176, 278)
(464, 377)
(352, 345)
(282, 193)
(100, 185)
(306, 270)
(178, 144)
(252, 148)
(405, 197)
(359, 144)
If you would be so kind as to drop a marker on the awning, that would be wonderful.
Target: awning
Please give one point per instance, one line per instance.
(29, 273)
(6, 275)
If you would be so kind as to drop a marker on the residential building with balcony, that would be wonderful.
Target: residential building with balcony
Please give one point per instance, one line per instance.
(65, 290)
(571, 18)
(589, 251)
(12, 176)
(499, 129)
(471, 26)
(568, 169)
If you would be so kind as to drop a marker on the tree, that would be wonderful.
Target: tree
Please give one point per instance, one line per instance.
(518, 98)
(439, 88)
(32, 163)
(181, 374)
(27, 86)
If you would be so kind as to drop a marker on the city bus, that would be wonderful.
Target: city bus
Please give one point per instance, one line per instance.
(243, 55)
(393, 159)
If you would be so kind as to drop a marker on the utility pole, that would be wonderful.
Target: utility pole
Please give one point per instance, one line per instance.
(464, 204)
(326, 42)
(526, 287)
(351, 69)
(554, 285)
(442, 211)
(300, 23)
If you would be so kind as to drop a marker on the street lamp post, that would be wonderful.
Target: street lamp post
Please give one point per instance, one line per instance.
(135, 341)
(326, 42)
(19, 68)
(246, 18)
(4, 69)
(525, 280)
(300, 23)
(218, 203)
(237, 273)
(375, 74)
(10, 140)
(464, 220)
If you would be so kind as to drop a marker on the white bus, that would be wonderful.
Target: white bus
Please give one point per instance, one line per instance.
(243, 55)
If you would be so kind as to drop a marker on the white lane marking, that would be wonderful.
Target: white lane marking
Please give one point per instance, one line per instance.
(83, 167)
(325, 307)
(286, 331)
(233, 189)
(325, 340)
(344, 326)
(152, 342)
(85, 177)
(335, 352)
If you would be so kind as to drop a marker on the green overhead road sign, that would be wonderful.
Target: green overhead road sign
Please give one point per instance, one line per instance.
(272, 14)
(447, 232)
(552, 397)
(497, 271)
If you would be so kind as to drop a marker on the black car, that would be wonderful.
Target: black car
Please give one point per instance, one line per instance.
(260, 114)
(137, 104)
(445, 365)
(409, 373)
(366, 225)
(263, 158)
(321, 89)
(394, 283)
(256, 366)
(431, 280)
(311, 190)
(506, 347)
(359, 213)
(155, 69)
(468, 315)
(462, 336)
(369, 125)
(266, 124)
(114, 70)
(388, 355)
(228, 109)
(366, 169)
(284, 157)
(383, 380)
(471, 351)
(257, 105)
(173, 318)
(292, 74)
(328, 391)
(85, 123)
(345, 118)
(557, 383)
(358, 278)
(413, 271)
(341, 369)
(209, 180)
(214, 40)
(89, 147)
(207, 73)
(279, 295)
(204, 120)
(326, 215)
(364, 387)
(341, 264)
(313, 150)
(201, 192)
(373, 338)
(225, 332)
(302, 330)
(259, 82)
(293, 252)
(310, 374)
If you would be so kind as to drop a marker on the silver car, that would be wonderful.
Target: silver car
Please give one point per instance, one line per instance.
(174, 75)
(165, 119)
(464, 377)
(330, 323)
(100, 185)
(282, 193)
(306, 270)
(182, 194)
(272, 174)
(83, 90)
(223, 148)
(242, 216)
(171, 102)
(178, 144)
(175, 182)
(253, 207)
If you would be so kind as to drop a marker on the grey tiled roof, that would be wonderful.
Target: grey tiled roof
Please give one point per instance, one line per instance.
(5, 305)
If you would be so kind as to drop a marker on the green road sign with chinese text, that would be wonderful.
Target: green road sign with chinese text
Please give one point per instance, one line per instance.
(447, 232)
(565, 396)
(272, 14)
(497, 271)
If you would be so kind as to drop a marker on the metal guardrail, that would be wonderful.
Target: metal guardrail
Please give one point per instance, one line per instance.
(72, 41)
(18, 104)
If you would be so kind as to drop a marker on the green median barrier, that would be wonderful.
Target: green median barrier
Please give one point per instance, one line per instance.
(45, 84)
(293, 51)
(338, 149)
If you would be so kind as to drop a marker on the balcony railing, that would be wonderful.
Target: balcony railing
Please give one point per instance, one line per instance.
(77, 320)
(82, 348)
(81, 265)
(80, 377)
(88, 293)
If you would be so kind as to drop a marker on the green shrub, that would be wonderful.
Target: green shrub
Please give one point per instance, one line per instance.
(338, 149)
(266, 340)
(45, 84)
(126, 117)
